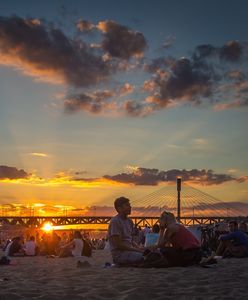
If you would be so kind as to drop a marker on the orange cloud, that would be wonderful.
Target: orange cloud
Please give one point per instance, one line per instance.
(63, 180)
(239, 103)
(84, 25)
(242, 179)
(29, 69)
(149, 86)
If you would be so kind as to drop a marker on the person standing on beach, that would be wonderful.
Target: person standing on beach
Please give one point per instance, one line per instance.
(120, 233)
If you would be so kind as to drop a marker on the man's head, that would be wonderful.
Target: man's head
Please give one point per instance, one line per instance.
(155, 228)
(122, 206)
(233, 225)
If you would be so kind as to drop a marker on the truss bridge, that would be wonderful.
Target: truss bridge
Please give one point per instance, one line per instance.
(38, 222)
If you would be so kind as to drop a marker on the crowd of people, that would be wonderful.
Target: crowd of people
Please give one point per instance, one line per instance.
(52, 244)
(165, 244)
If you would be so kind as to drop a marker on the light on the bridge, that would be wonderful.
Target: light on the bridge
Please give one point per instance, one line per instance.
(47, 227)
(179, 181)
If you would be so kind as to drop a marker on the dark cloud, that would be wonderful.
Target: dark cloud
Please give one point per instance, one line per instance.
(120, 41)
(83, 102)
(80, 172)
(12, 173)
(145, 176)
(46, 52)
(199, 79)
(94, 103)
(204, 51)
(159, 63)
(187, 82)
(85, 179)
(232, 51)
(134, 108)
(103, 95)
(181, 80)
(103, 102)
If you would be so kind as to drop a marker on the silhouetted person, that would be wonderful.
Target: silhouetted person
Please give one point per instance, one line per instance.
(234, 243)
(243, 227)
(120, 233)
(15, 247)
(177, 244)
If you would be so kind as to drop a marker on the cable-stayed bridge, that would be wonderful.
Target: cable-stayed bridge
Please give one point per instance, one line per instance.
(190, 205)
(193, 202)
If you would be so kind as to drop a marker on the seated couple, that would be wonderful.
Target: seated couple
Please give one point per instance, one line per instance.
(176, 245)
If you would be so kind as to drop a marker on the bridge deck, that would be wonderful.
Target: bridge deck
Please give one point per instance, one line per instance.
(37, 221)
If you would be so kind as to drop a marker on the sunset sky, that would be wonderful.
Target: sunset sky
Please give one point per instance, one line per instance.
(100, 99)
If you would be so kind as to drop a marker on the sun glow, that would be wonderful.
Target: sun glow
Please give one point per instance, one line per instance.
(47, 227)
(35, 180)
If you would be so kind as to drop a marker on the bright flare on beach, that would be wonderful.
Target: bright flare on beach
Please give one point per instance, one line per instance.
(47, 227)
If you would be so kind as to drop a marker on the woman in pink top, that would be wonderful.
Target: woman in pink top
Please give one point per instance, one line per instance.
(177, 244)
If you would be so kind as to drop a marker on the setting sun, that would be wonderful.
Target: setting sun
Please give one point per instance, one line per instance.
(47, 227)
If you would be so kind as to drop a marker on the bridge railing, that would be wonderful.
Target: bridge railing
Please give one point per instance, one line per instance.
(37, 222)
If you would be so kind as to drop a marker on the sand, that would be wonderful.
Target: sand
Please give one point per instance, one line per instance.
(60, 278)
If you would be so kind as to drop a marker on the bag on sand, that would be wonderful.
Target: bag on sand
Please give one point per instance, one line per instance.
(87, 249)
(4, 260)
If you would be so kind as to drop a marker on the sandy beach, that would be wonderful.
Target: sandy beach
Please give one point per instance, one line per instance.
(59, 278)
